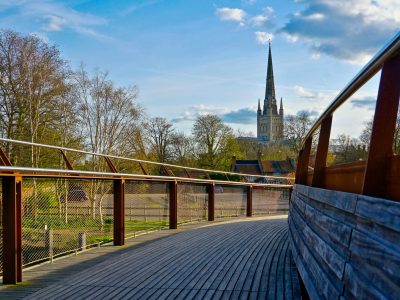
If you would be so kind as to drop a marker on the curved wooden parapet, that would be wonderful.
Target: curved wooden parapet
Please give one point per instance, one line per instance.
(345, 245)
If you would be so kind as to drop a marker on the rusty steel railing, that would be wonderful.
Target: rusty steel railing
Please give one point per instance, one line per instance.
(378, 175)
(50, 212)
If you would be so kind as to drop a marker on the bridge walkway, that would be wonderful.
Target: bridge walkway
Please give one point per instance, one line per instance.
(238, 259)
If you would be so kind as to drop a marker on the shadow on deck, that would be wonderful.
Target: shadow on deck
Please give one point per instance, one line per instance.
(240, 259)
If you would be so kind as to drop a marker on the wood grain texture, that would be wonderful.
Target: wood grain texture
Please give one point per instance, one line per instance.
(347, 237)
(236, 260)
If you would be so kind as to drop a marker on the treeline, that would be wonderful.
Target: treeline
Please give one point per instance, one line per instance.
(43, 100)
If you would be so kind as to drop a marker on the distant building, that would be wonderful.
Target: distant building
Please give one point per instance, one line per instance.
(263, 167)
(269, 120)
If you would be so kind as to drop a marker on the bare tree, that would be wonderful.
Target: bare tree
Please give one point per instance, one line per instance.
(159, 132)
(182, 149)
(106, 114)
(365, 136)
(296, 129)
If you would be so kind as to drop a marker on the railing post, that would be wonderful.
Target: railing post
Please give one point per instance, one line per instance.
(12, 235)
(303, 163)
(49, 243)
(119, 212)
(297, 174)
(211, 202)
(322, 152)
(383, 128)
(249, 206)
(173, 205)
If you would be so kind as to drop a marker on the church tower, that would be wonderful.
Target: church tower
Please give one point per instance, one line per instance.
(269, 121)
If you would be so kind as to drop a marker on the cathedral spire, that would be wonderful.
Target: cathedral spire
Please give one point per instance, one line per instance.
(259, 106)
(270, 87)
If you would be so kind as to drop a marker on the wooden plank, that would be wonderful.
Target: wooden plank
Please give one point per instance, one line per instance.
(358, 288)
(328, 259)
(302, 189)
(322, 152)
(383, 128)
(301, 266)
(320, 280)
(380, 211)
(348, 177)
(335, 233)
(380, 262)
(340, 200)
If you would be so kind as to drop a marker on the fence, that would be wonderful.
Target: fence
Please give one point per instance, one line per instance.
(47, 213)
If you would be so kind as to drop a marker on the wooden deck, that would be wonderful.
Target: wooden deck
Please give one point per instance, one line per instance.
(241, 259)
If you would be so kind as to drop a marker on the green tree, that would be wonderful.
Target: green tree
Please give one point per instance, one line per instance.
(213, 141)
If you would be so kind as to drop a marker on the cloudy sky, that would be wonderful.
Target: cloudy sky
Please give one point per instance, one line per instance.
(192, 57)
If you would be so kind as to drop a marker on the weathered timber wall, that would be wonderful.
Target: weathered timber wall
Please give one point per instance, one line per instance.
(345, 245)
(349, 177)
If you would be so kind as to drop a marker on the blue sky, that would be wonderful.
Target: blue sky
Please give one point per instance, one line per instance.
(191, 57)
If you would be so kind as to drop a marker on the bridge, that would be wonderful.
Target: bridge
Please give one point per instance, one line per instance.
(80, 233)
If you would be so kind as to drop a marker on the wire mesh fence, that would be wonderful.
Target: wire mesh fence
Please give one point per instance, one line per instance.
(146, 206)
(270, 200)
(192, 203)
(64, 215)
(230, 201)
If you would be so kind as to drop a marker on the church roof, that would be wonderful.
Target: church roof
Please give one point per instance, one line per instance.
(264, 167)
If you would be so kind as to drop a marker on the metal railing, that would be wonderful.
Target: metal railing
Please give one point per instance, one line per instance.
(377, 176)
(107, 157)
(391, 49)
(49, 212)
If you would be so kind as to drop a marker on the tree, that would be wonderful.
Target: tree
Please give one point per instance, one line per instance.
(212, 138)
(296, 129)
(106, 114)
(182, 149)
(347, 149)
(159, 132)
(33, 81)
(365, 136)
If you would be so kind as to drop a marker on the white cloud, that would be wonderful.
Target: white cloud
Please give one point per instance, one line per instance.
(315, 17)
(268, 10)
(317, 96)
(263, 37)
(302, 92)
(55, 23)
(351, 30)
(58, 16)
(259, 20)
(231, 14)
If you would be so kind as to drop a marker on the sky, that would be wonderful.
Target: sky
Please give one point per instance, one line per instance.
(192, 57)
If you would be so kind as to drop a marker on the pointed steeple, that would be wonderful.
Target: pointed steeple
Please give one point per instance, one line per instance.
(259, 107)
(270, 87)
(281, 108)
